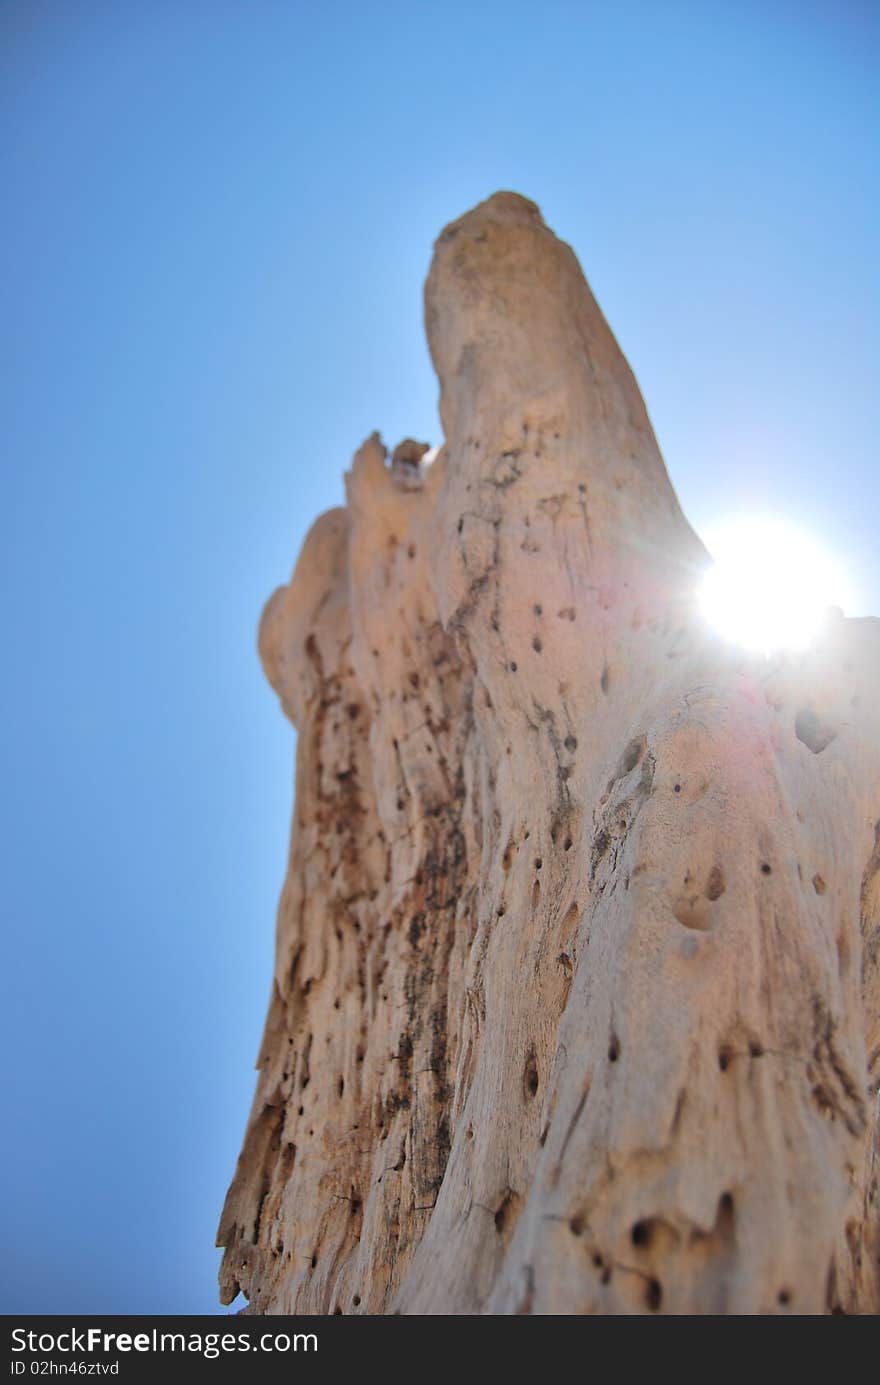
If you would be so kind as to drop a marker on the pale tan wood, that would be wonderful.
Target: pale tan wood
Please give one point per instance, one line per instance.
(576, 1004)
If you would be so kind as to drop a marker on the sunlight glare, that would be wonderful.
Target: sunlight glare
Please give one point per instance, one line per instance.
(770, 585)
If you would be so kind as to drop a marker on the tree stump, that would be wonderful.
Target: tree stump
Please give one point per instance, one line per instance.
(576, 1005)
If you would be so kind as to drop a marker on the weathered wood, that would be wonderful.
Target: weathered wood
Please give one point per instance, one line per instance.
(577, 994)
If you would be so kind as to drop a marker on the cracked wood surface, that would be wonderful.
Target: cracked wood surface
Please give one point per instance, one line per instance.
(576, 1004)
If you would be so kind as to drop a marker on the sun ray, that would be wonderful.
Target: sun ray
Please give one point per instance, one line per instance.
(770, 585)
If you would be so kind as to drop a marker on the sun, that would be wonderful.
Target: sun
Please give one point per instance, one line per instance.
(770, 586)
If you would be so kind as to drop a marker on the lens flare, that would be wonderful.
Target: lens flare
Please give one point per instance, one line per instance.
(770, 586)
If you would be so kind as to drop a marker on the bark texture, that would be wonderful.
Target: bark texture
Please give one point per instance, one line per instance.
(576, 1004)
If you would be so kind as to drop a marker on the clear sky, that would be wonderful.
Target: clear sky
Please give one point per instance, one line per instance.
(218, 218)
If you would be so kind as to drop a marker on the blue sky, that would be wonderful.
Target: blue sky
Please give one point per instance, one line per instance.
(217, 223)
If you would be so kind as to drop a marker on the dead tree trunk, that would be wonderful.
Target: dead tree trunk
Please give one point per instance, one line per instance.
(576, 1003)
